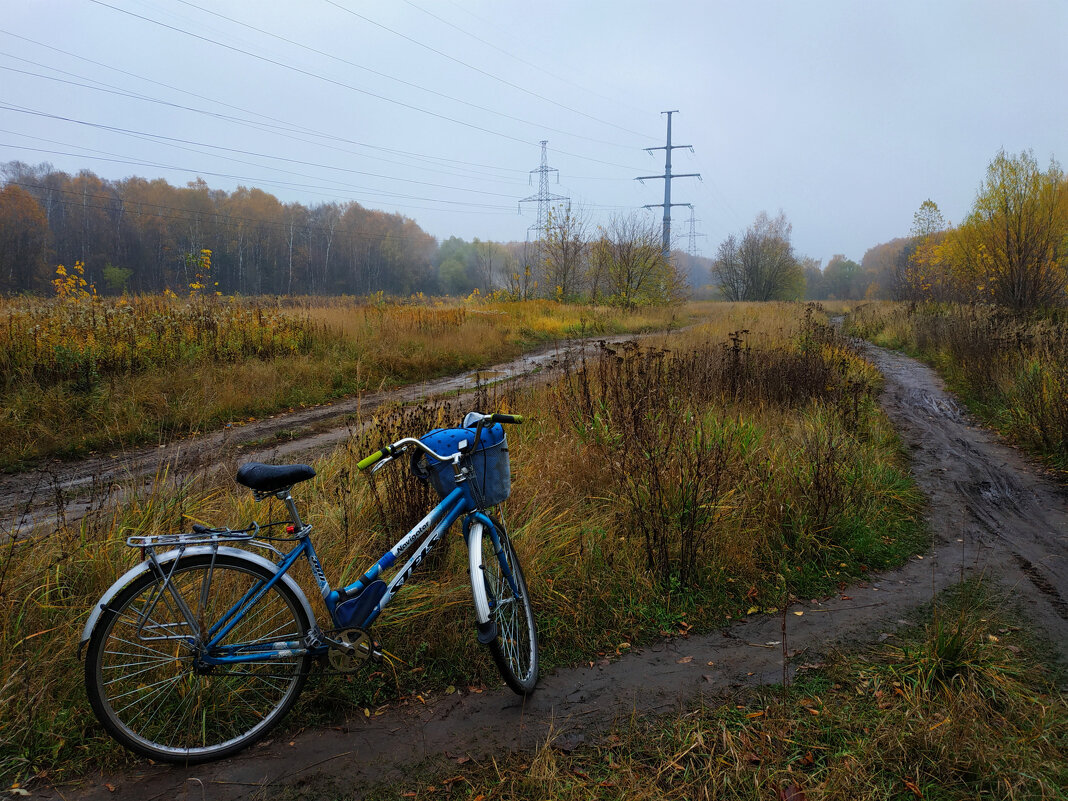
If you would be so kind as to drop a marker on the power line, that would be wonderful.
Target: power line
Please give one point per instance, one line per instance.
(287, 131)
(288, 125)
(285, 184)
(342, 84)
(172, 139)
(345, 61)
(481, 71)
(512, 55)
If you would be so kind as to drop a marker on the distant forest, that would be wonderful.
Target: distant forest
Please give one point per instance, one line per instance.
(141, 236)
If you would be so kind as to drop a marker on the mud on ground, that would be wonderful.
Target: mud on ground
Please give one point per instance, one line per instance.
(992, 513)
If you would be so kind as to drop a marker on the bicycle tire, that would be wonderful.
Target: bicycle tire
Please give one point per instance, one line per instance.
(515, 646)
(165, 708)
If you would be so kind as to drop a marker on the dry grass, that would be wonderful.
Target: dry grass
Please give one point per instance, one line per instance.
(810, 492)
(1011, 370)
(82, 374)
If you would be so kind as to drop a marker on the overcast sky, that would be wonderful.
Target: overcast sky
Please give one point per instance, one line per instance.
(844, 115)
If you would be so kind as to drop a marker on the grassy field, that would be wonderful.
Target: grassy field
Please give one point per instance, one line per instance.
(673, 486)
(85, 374)
(1011, 371)
(958, 707)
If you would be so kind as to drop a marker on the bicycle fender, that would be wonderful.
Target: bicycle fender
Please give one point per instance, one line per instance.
(165, 559)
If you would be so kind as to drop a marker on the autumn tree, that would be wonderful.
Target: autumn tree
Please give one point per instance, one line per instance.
(23, 240)
(921, 271)
(814, 287)
(492, 260)
(843, 279)
(760, 264)
(1013, 247)
(879, 266)
(628, 256)
(563, 252)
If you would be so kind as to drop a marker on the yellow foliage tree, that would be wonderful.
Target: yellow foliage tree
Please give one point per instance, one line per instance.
(1013, 247)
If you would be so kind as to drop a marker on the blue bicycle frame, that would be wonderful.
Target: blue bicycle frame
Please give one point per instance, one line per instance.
(457, 503)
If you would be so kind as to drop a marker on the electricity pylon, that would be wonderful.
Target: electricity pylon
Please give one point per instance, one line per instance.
(667, 176)
(544, 198)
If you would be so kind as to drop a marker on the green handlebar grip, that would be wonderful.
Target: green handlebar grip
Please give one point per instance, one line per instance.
(363, 464)
(507, 418)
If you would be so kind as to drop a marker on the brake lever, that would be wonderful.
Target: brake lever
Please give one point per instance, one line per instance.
(381, 463)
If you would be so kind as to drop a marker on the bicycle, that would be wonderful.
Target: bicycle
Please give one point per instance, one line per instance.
(198, 651)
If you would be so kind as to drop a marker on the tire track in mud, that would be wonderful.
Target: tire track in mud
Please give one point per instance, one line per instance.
(991, 514)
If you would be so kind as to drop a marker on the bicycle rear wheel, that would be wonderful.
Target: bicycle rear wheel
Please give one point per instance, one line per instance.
(501, 598)
(147, 682)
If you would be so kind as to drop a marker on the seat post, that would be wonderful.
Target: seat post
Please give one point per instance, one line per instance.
(291, 505)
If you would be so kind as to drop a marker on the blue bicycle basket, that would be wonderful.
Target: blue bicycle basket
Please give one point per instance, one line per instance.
(492, 477)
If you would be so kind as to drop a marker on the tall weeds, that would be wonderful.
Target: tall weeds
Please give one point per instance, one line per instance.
(656, 490)
(670, 426)
(1011, 370)
(90, 374)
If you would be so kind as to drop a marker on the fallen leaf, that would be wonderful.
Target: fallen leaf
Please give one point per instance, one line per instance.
(753, 715)
(792, 793)
(752, 610)
(450, 690)
(913, 789)
(799, 613)
(685, 660)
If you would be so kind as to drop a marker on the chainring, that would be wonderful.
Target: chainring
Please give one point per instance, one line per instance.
(349, 661)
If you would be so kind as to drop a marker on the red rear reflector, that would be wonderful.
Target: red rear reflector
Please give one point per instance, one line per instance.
(291, 529)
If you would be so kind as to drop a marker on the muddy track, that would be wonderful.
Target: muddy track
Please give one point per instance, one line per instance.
(992, 513)
(68, 490)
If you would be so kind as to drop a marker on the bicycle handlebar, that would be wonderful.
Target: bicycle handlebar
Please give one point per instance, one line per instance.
(402, 444)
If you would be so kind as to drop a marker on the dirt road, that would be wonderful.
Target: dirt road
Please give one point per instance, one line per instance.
(991, 511)
(67, 490)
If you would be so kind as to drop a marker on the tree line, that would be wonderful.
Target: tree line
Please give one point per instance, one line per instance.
(1011, 250)
(146, 236)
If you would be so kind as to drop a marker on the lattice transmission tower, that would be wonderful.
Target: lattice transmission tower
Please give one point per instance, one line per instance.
(692, 238)
(544, 198)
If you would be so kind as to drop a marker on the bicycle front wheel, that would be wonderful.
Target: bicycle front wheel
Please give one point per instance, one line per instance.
(501, 598)
(145, 669)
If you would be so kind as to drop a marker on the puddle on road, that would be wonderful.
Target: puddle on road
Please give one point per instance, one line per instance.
(485, 376)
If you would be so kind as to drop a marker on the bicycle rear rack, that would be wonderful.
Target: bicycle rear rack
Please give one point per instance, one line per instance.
(209, 536)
